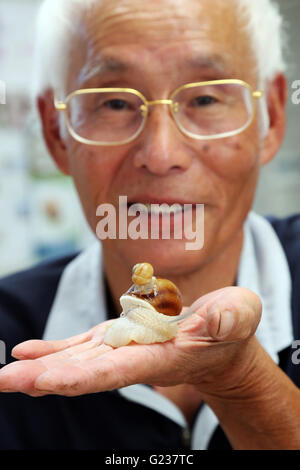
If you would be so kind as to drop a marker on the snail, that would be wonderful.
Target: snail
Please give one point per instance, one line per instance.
(151, 310)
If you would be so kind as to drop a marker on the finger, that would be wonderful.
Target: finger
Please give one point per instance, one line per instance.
(36, 348)
(78, 352)
(33, 349)
(234, 314)
(81, 352)
(92, 353)
(72, 353)
(112, 370)
(21, 376)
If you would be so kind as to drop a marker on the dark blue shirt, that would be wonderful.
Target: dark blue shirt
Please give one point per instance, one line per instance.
(103, 420)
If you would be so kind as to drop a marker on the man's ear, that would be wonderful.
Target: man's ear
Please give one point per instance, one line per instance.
(51, 130)
(277, 94)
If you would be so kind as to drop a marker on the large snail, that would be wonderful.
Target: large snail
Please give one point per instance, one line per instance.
(151, 308)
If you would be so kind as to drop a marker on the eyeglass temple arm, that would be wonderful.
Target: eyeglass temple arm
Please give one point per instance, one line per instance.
(258, 93)
(59, 105)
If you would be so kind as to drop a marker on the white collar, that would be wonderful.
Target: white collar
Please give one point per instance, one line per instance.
(264, 270)
(80, 304)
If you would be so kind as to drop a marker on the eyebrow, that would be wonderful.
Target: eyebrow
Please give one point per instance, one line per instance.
(113, 66)
(216, 62)
(109, 65)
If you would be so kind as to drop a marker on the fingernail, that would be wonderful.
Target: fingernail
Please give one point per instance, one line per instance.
(226, 323)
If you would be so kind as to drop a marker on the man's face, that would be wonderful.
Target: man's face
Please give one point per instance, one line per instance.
(159, 46)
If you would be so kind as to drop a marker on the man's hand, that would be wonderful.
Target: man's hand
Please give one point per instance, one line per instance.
(214, 350)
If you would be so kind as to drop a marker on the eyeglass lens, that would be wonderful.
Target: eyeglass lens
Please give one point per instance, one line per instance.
(207, 110)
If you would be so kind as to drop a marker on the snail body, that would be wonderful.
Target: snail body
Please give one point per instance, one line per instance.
(147, 308)
(140, 323)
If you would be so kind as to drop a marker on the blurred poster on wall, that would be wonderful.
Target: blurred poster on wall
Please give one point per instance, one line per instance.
(40, 216)
(17, 29)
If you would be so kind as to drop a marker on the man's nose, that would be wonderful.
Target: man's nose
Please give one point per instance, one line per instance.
(162, 148)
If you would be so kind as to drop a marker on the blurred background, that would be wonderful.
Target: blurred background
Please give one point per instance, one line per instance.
(40, 212)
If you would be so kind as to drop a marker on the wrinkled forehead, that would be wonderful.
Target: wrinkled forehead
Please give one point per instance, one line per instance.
(158, 20)
(115, 34)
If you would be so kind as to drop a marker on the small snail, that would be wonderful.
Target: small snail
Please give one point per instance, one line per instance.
(148, 306)
(142, 274)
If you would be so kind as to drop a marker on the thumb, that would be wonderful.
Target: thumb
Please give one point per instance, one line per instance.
(234, 315)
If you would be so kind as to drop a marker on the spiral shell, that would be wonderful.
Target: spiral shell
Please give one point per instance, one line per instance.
(139, 323)
(164, 296)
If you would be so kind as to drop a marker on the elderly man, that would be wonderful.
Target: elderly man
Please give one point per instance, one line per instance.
(162, 102)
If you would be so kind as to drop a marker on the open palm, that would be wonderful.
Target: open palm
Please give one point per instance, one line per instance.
(83, 364)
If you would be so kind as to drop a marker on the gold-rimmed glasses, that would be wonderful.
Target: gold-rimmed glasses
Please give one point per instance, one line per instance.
(203, 110)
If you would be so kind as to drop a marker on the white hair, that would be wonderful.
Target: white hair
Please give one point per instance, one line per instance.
(267, 33)
(58, 21)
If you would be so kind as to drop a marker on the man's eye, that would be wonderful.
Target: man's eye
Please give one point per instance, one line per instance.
(116, 105)
(204, 100)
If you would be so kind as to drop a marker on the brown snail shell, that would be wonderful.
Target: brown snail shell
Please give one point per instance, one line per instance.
(165, 297)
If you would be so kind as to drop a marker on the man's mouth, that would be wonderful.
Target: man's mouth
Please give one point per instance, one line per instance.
(156, 208)
(156, 220)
